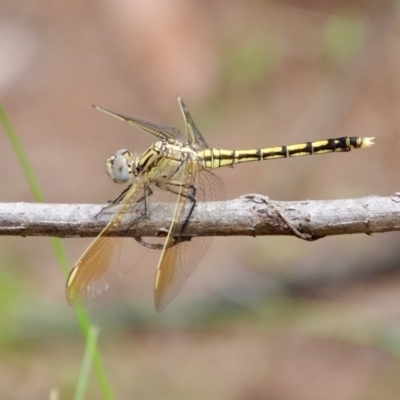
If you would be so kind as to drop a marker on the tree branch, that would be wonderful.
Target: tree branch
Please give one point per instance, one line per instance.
(250, 215)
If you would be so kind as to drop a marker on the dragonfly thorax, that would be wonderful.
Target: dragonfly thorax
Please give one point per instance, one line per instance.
(164, 159)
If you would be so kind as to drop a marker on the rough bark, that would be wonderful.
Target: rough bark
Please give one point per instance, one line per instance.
(250, 215)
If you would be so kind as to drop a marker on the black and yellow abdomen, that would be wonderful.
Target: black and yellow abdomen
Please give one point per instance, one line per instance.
(216, 158)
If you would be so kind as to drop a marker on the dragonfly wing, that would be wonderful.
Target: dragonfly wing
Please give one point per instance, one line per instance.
(178, 262)
(108, 259)
(160, 132)
(193, 134)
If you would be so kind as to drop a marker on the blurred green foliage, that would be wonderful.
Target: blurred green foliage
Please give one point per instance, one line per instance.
(343, 35)
(251, 62)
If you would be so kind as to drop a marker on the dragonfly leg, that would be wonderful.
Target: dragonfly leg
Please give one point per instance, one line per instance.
(153, 246)
(146, 192)
(115, 201)
(192, 198)
(121, 196)
(189, 196)
(160, 246)
(144, 198)
(167, 187)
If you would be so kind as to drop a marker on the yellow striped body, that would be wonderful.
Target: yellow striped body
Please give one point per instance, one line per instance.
(168, 156)
(216, 158)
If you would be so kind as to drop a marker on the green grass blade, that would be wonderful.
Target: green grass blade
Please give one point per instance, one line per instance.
(86, 364)
(23, 160)
(58, 249)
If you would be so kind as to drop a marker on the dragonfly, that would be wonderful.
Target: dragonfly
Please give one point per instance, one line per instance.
(179, 164)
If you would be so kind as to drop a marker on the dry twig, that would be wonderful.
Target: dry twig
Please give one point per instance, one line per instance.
(251, 215)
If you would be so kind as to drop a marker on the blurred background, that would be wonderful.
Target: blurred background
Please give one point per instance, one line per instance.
(261, 318)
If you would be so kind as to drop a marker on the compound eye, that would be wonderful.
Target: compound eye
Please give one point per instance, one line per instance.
(118, 167)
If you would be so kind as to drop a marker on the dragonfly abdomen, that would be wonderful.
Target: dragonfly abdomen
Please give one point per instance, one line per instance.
(216, 158)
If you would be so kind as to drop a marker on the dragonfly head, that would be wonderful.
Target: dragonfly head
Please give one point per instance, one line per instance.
(121, 166)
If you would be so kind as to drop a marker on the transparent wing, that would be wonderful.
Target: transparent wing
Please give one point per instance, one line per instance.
(108, 259)
(160, 132)
(178, 262)
(193, 134)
